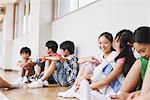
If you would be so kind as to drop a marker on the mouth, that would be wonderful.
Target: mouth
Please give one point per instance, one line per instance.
(104, 49)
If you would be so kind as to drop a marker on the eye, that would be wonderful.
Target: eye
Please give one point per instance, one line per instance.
(143, 50)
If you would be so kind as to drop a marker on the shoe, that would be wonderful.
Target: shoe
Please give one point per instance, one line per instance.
(36, 84)
(67, 94)
(25, 79)
(45, 83)
(33, 79)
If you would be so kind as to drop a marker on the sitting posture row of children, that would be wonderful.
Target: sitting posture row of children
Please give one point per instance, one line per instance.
(56, 68)
(112, 72)
(123, 77)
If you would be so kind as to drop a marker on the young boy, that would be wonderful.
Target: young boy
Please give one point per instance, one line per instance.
(25, 65)
(64, 70)
(43, 62)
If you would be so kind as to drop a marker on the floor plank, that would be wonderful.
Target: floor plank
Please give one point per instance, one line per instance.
(48, 93)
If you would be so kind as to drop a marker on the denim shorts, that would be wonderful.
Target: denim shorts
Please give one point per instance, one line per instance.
(41, 64)
(59, 74)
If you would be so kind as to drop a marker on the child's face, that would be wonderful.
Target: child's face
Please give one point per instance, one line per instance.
(25, 55)
(48, 50)
(116, 44)
(104, 44)
(142, 49)
(64, 52)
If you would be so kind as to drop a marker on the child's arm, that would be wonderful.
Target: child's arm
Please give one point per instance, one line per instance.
(54, 58)
(108, 79)
(146, 86)
(29, 64)
(19, 63)
(84, 59)
(133, 77)
(88, 59)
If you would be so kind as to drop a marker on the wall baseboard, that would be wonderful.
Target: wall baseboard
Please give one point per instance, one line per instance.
(8, 70)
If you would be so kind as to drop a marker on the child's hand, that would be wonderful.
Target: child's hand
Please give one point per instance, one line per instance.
(122, 96)
(42, 59)
(77, 85)
(133, 95)
(94, 61)
(26, 66)
(63, 58)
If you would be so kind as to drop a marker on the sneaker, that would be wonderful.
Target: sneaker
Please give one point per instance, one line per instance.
(32, 79)
(68, 94)
(36, 84)
(25, 79)
(45, 83)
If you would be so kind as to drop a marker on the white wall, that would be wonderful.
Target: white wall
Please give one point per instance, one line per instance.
(40, 31)
(6, 40)
(84, 26)
(1, 33)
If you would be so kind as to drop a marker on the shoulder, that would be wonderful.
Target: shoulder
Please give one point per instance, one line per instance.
(121, 60)
(112, 56)
(57, 55)
(72, 57)
(137, 63)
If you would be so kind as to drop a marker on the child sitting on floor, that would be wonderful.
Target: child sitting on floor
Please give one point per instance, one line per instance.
(64, 70)
(43, 62)
(25, 65)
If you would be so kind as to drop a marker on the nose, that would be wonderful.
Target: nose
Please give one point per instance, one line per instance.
(142, 54)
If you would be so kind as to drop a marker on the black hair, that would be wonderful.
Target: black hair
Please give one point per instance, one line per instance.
(69, 45)
(126, 39)
(142, 35)
(25, 50)
(52, 45)
(109, 37)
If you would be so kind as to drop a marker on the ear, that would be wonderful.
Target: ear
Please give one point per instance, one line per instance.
(130, 44)
(50, 50)
(67, 51)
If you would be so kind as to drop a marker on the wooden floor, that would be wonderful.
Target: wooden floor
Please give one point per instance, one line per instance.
(49, 93)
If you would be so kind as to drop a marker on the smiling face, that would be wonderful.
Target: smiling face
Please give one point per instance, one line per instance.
(142, 49)
(105, 44)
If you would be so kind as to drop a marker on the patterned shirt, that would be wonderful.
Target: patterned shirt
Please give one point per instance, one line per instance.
(68, 71)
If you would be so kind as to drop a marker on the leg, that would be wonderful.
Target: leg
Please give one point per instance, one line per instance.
(47, 64)
(84, 92)
(27, 72)
(84, 70)
(49, 71)
(22, 72)
(37, 70)
(4, 84)
(43, 80)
